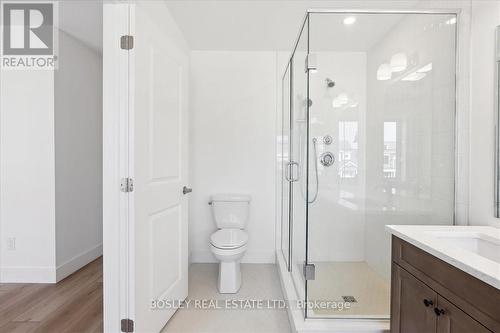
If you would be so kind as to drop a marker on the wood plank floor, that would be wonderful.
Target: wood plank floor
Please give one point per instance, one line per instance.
(72, 305)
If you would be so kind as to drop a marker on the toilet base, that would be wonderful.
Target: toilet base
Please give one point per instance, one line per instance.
(229, 281)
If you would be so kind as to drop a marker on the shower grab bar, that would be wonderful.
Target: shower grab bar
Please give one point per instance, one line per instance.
(289, 171)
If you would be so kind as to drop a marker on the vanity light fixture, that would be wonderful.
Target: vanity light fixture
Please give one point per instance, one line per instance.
(384, 72)
(415, 76)
(341, 100)
(425, 69)
(399, 62)
(419, 74)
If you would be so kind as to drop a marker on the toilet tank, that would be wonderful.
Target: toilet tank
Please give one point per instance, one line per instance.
(231, 210)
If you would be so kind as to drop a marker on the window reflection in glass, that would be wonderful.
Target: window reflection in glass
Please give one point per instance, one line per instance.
(390, 149)
(348, 149)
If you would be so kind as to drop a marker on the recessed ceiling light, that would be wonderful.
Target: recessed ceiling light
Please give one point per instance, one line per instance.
(349, 20)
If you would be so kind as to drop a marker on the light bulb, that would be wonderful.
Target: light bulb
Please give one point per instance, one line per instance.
(349, 20)
(399, 62)
(384, 72)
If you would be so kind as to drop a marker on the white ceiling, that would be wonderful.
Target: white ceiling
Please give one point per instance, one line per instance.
(274, 24)
(246, 24)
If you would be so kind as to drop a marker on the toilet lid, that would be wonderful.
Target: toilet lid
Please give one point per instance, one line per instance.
(229, 238)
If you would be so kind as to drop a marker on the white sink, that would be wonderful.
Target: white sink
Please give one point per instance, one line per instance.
(478, 243)
(473, 249)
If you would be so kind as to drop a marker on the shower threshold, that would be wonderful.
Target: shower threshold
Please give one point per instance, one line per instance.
(339, 323)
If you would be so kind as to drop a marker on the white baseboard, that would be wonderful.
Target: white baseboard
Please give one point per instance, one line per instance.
(28, 274)
(251, 257)
(77, 262)
(48, 274)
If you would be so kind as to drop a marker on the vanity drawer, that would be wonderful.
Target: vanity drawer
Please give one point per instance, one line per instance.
(478, 299)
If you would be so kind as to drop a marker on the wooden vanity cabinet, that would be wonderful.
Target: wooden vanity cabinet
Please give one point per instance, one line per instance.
(409, 313)
(429, 295)
(452, 319)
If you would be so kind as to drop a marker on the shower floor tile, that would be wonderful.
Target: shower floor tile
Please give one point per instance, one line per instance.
(336, 281)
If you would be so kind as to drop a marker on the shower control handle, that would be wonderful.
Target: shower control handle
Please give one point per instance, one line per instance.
(289, 171)
(327, 159)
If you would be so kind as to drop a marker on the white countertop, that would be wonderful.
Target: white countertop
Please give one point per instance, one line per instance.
(434, 240)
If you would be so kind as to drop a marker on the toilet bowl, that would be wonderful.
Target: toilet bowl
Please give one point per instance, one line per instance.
(228, 249)
(229, 243)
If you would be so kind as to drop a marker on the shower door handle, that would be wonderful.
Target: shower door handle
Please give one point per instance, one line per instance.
(289, 172)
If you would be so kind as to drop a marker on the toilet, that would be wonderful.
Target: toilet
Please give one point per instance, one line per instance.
(229, 242)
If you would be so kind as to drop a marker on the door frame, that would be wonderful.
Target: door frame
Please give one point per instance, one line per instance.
(118, 278)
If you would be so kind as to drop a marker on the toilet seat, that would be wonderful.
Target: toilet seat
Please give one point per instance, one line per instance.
(229, 238)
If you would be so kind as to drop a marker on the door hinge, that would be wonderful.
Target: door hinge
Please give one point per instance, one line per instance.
(309, 272)
(127, 42)
(127, 325)
(311, 63)
(127, 185)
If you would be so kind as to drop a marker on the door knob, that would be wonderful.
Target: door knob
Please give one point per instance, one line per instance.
(186, 190)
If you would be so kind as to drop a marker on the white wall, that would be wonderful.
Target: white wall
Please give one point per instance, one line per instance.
(27, 198)
(50, 166)
(485, 17)
(232, 145)
(78, 155)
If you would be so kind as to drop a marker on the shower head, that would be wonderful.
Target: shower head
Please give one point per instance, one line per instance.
(330, 83)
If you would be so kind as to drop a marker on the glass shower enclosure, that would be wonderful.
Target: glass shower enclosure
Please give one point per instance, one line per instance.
(367, 140)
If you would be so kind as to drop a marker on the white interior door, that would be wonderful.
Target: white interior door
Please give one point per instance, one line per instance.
(159, 141)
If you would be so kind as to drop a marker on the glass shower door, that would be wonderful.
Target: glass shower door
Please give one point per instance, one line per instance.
(298, 161)
(382, 102)
(285, 164)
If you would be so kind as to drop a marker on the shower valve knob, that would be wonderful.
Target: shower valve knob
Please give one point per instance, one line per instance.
(327, 159)
(327, 140)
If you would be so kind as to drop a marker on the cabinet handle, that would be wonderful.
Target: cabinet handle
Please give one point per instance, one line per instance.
(438, 312)
(428, 303)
